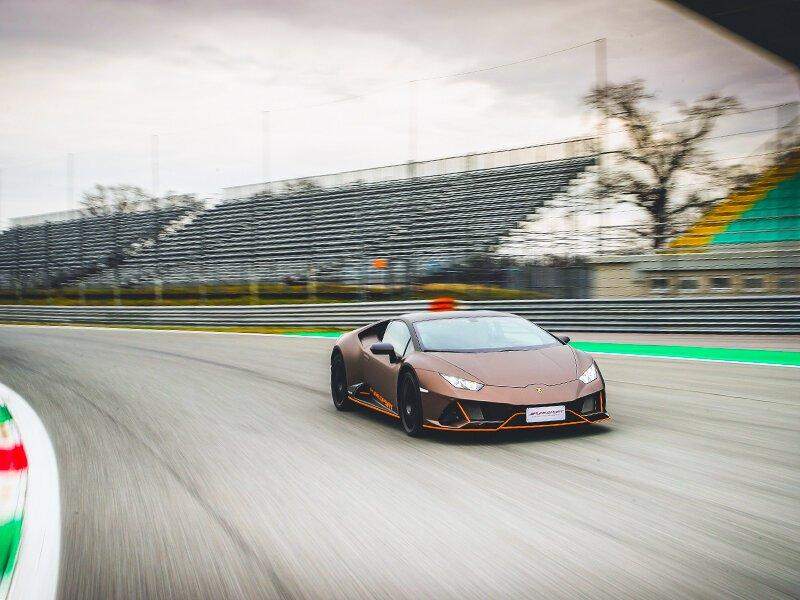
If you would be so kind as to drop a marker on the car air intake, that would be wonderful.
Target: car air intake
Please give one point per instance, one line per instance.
(590, 403)
(451, 415)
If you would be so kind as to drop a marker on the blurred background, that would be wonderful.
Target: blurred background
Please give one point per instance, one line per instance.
(625, 172)
(320, 153)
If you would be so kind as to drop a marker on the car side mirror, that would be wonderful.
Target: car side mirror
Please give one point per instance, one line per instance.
(563, 338)
(385, 348)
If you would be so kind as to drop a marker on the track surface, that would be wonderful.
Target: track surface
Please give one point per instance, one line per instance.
(197, 466)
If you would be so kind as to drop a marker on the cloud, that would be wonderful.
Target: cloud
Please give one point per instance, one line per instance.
(98, 78)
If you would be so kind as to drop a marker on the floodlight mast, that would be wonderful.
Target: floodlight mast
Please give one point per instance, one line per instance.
(601, 80)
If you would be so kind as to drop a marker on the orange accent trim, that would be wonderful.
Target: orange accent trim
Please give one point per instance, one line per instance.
(381, 399)
(551, 425)
(372, 406)
(504, 426)
(463, 412)
(579, 415)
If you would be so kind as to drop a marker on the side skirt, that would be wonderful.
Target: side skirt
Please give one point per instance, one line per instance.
(367, 397)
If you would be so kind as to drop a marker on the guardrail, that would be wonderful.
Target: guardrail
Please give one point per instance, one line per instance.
(742, 314)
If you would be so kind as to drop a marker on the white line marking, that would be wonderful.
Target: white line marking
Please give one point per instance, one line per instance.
(35, 576)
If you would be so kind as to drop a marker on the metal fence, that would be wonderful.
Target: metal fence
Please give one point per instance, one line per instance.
(734, 315)
(440, 166)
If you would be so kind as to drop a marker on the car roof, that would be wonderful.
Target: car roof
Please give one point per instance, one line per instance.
(416, 317)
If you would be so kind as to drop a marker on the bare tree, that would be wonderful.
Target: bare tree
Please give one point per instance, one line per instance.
(104, 200)
(653, 171)
(128, 198)
(96, 201)
(173, 199)
(301, 185)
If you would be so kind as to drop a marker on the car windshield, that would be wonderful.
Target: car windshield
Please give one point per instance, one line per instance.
(481, 334)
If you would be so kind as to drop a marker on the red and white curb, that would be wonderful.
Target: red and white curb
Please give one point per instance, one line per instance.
(30, 513)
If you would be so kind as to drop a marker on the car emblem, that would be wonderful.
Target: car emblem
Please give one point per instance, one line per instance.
(540, 390)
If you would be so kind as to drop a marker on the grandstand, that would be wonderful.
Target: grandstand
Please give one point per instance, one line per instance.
(418, 218)
(62, 252)
(334, 233)
(335, 226)
(768, 211)
(746, 244)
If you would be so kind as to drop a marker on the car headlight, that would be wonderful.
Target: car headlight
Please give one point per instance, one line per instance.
(589, 375)
(462, 384)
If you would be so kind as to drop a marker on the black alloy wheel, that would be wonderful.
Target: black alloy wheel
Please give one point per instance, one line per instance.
(410, 405)
(339, 383)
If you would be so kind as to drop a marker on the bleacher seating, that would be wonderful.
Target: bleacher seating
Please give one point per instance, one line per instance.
(337, 231)
(774, 218)
(57, 253)
(767, 212)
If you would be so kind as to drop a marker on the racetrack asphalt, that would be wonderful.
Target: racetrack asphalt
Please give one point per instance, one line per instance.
(195, 465)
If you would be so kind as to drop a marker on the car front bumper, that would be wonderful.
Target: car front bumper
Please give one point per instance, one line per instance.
(471, 415)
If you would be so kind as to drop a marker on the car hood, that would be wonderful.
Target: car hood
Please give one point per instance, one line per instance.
(551, 365)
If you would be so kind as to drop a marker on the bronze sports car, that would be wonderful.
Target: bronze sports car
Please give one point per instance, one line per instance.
(466, 371)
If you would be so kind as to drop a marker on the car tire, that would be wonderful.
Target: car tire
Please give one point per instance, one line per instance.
(410, 405)
(339, 383)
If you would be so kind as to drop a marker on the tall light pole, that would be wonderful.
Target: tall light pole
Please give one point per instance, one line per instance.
(70, 179)
(412, 126)
(601, 80)
(154, 157)
(787, 123)
(265, 148)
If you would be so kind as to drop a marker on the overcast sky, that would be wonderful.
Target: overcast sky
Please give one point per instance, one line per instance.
(99, 78)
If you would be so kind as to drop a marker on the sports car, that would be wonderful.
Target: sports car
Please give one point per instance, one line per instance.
(466, 371)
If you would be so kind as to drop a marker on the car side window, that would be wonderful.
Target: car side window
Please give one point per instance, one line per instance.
(398, 335)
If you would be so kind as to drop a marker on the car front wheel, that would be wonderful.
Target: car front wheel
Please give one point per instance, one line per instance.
(339, 383)
(410, 405)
